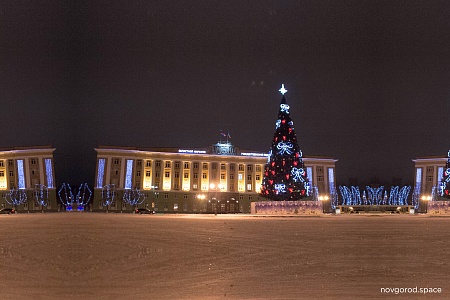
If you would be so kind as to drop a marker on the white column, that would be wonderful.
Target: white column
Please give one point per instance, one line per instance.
(41, 171)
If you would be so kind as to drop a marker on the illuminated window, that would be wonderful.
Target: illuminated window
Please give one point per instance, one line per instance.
(258, 177)
(240, 176)
(195, 186)
(222, 167)
(175, 206)
(186, 175)
(205, 166)
(249, 187)
(147, 173)
(148, 163)
(258, 168)
(167, 174)
(204, 175)
(222, 176)
(167, 164)
(186, 165)
(1, 163)
(2, 174)
(241, 167)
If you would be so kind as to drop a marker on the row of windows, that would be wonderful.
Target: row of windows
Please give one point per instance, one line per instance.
(195, 175)
(2, 173)
(186, 165)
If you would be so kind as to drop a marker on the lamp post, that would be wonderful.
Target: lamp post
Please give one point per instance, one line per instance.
(153, 187)
(324, 200)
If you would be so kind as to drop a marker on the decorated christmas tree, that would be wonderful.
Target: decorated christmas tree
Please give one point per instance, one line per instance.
(285, 174)
(445, 184)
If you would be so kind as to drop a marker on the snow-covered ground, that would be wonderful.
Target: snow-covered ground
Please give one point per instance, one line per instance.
(124, 256)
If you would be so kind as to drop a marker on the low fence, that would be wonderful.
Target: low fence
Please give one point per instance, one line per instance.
(287, 208)
(439, 207)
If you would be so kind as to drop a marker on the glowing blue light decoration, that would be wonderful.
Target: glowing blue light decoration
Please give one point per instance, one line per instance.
(100, 172)
(418, 180)
(356, 195)
(83, 196)
(331, 180)
(108, 194)
(283, 90)
(66, 196)
(297, 174)
(133, 197)
(284, 108)
(21, 174)
(41, 194)
(346, 195)
(269, 156)
(277, 124)
(280, 187)
(129, 174)
(393, 195)
(309, 171)
(285, 148)
(16, 197)
(374, 195)
(49, 172)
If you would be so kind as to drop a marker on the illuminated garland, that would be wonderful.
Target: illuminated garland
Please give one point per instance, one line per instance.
(16, 197)
(41, 194)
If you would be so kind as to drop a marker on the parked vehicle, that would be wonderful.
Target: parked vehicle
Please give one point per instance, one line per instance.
(143, 211)
(7, 211)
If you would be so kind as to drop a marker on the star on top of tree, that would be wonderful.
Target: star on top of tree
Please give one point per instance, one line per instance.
(282, 90)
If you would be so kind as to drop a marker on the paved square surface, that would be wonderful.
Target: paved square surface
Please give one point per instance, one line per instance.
(124, 256)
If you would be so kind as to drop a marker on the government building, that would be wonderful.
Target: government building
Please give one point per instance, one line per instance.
(27, 170)
(220, 178)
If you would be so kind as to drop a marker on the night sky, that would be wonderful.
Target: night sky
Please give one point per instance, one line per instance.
(368, 81)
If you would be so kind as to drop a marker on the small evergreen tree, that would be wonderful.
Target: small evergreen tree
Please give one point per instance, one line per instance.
(285, 174)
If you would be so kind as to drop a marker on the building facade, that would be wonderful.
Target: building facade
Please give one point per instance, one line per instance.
(220, 178)
(24, 172)
(429, 171)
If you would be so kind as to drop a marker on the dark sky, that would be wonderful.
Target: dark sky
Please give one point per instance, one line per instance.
(368, 81)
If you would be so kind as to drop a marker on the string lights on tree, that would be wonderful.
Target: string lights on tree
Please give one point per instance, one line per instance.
(445, 183)
(285, 175)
